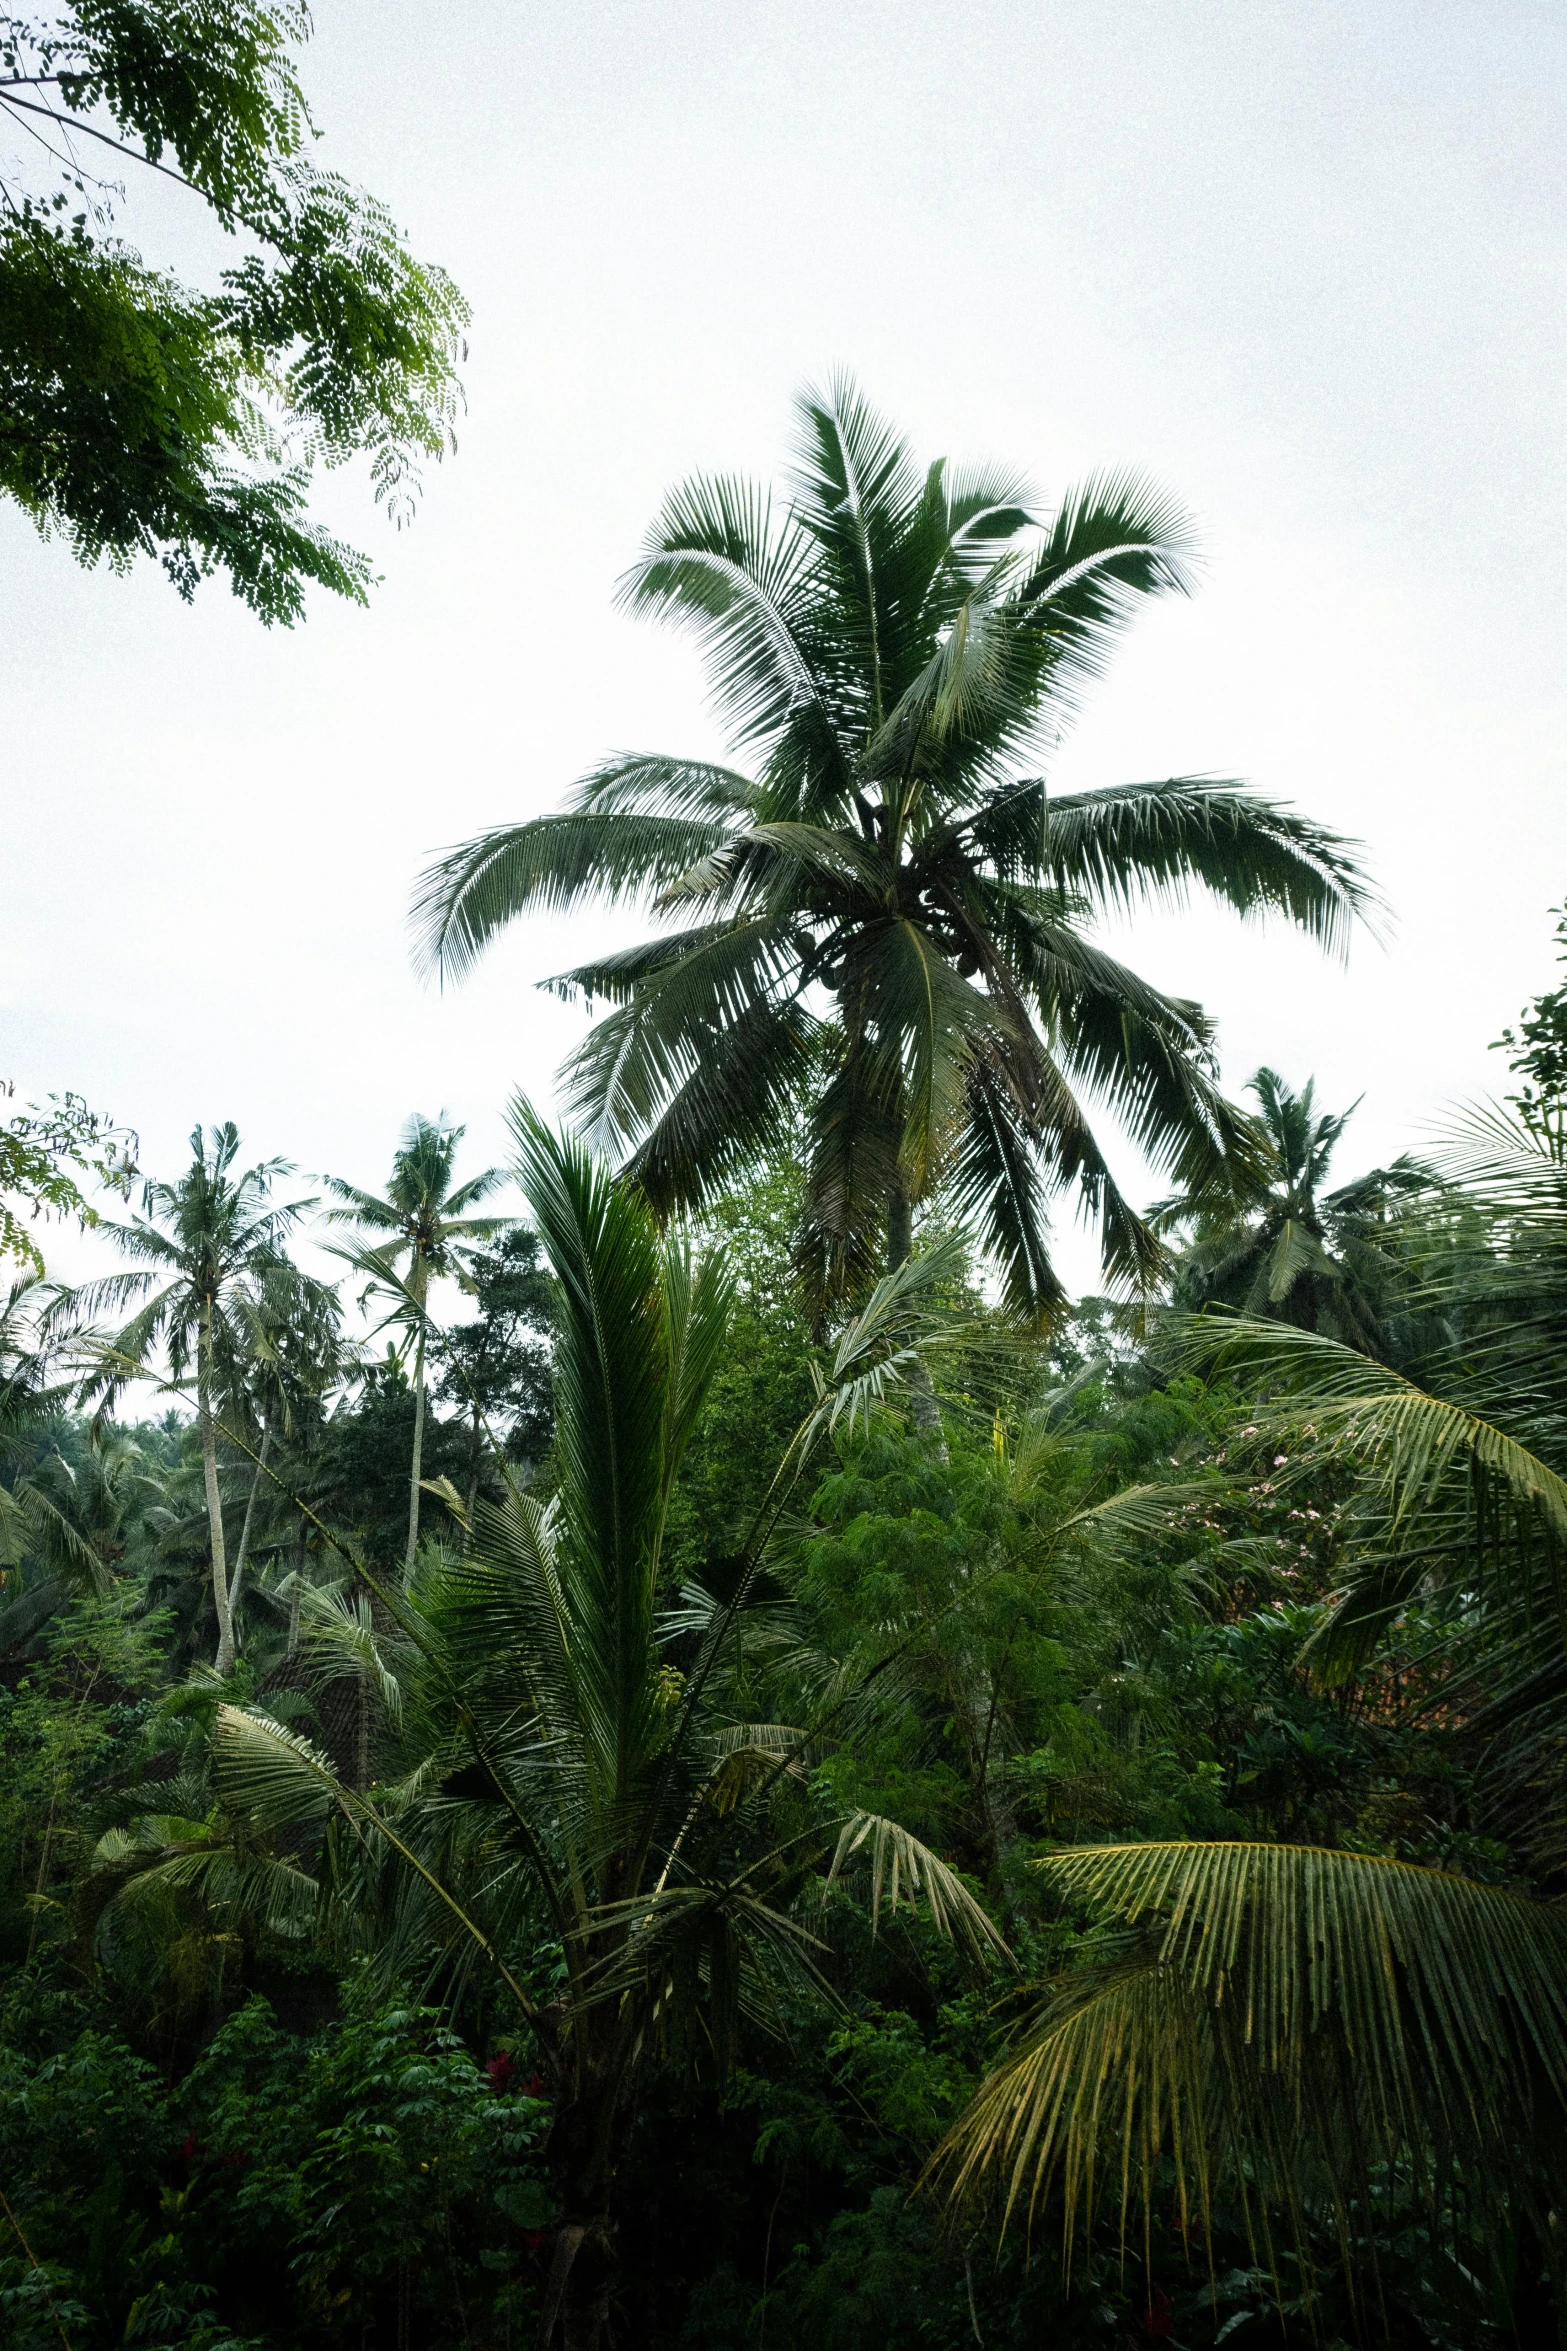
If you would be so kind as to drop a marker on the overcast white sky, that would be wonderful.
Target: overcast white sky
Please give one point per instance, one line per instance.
(1303, 262)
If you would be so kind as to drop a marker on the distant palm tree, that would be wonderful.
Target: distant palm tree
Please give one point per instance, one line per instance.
(65, 1523)
(882, 948)
(204, 1243)
(294, 1352)
(429, 1235)
(1280, 1245)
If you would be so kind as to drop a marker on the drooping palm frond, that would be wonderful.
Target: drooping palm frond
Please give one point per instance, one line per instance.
(549, 865)
(629, 1073)
(341, 1638)
(904, 1871)
(165, 1853)
(1280, 2022)
(1128, 844)
(1452, 1491)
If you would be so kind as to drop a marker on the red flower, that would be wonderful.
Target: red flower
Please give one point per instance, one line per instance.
(535, 2086)
(500, 2070)
(1156, 2322)
(187, 2148)
(535, 2239)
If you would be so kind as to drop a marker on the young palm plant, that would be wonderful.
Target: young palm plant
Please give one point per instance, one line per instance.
(425, 1229)
(571, 1807)
(878, 929)
(203, 1243)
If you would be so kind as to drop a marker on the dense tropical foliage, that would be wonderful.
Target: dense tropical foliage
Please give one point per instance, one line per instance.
(702, 1758)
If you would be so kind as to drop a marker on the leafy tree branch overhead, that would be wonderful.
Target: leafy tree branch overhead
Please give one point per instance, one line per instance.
(877, 932)
(139, 415)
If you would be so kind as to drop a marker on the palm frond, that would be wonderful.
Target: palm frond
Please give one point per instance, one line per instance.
(902, 1319)
(548, 865)
(1286, 2020)
(715, 560)
(1115, 539)
(270, 1775)
(904, 1871)
(648, 783)
(1130, 844)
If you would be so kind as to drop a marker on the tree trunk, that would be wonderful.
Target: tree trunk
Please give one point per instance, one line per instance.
(974, 1704)
(362, 1728)
(250, 1512)
(576, 2296)
(924, 1411)
(473, 1462)
(209, 1463)
(584, 2149)
(295, 1596)
(413, 1487)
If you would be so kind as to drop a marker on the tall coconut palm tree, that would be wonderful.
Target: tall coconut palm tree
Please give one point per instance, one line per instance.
(877, 932)
(565, 1783)
(203, 1243)
(428, 1234)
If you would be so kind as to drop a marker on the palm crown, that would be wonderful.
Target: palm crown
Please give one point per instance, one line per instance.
(423, 1218)
(877, 933)
(1283, 1245)
(423, 1226)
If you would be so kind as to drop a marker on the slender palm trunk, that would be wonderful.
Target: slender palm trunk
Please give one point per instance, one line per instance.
(209, 1463)
(473, 1461)
(924, 1411)
(295, 1596)
(242, 1554)
(974, 1702)
(413, 1487)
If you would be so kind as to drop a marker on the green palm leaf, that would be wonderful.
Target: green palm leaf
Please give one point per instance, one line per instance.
(549, 866)
(904, 1871)
(1288, 2019)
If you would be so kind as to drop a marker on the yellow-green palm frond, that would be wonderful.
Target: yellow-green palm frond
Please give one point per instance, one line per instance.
(905, 1873)
(1279, 2022)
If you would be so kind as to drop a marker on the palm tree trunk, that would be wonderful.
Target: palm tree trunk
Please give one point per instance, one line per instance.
(413, 1486)
(900, 1228)
(973, 1704)
(250, 1513)
(473, 1460)
(209, 1463)
(924, 1411)
(583, 2151)
(295, 1595)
